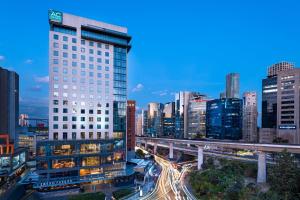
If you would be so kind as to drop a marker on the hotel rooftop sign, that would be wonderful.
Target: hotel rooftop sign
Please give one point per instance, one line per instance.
(55, 16)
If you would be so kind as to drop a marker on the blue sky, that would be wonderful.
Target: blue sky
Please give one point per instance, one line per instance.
(177, 45)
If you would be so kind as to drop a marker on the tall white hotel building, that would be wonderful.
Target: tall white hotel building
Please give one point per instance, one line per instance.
(87, 102)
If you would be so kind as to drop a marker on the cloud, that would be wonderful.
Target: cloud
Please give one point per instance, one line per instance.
(161, 92)
(2, 58)
(28, 61)
(36, 88)
(41, 79)
(138, 88)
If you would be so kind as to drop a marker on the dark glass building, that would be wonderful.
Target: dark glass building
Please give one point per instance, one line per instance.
(9, 102)
(224, 119)
(269, 102)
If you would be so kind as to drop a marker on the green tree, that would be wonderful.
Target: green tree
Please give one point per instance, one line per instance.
(285, 176)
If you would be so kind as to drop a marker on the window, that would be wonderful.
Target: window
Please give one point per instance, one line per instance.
(55, 118)
(107, 105)
(55, 126)
(99, 53)
(91, 66)
(91, 51)
(65, 110)
(65, 118)
(73, 135)
(99, 75)
(82, 57)
(55, 53)
(98, 126)
(65, 136)
(106, 119)
(55, 136)
(82, 65)
(65, 54)
(106, 75)
(74, 56)
(55, 102)
(65, 46)
(99, 60)
(107, 54)
(106, 46)
(74, 119)
(82, 135)
(91, 59)
(73, 126)
(98, 119)
(106, 126)
(74, 48)
(55, 110)
(74, 64)
(74, 71)
(106, 61)
(99, 45)
(106, 112)
(55, 61)
(65, 38)
(99, 68)
(82, 119)
(98, 135)
(55, 37)
(106, 68)
(74, 40)
(55, 45)
(83, 42)
(65, 63)
(99, 112)
(91, 43)
(91, 112)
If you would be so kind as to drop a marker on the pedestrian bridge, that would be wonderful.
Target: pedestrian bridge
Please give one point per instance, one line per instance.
(261, 149)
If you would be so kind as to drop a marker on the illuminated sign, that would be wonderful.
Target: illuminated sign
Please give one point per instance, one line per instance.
(287, 127)
(55, 16)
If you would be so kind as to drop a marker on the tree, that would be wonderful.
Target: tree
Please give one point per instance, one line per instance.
(285, 176)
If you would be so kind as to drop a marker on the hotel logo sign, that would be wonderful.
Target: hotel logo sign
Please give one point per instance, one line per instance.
(55, 16)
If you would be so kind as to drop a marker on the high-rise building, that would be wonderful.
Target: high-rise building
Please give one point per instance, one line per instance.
(233, 85)
(169, 119)
(196, 116)
(9, 103)
(269, 94)
(288, 105)
(182, 101)
(224, 119)
(87, 102)
(278, 67)
(250, 117)
(130, 133)
(155, 119)
(23, 120)
(145, 123)
(139, 124)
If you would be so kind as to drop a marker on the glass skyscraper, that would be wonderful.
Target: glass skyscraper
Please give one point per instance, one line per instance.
(224, 119)
(87, 102)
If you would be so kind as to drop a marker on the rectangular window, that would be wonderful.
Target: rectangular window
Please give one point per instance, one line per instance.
(65, 46)
(55, 37)
(74, 40)
(65, 38)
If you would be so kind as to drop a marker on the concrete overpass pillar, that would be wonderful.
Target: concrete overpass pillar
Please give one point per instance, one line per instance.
(261, 168)
(171, 151)
(155, 148)
(200, 157)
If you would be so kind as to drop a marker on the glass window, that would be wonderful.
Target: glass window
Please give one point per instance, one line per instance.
(55, 53)
(55, 37)
(83, 42)
(99, 60)
(99, 45)
(65, 38)
(106, 61)
(65, 46)
(65, 54)
(74, 40)
(99, 53)
(91, 51)
(91, 43)
(74, 48)
(74, 56)
(106, 46)
(106, 54)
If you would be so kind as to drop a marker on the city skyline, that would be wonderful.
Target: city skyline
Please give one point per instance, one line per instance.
(253, 41)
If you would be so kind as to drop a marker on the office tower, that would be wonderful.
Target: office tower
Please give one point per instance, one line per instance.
(139, 124)
(224, 119)
(145, 131)
(250, 117)
(130, 133)
(233, 85)
(178, 115)
(169, 119)
(269, 94)
(196, 116)
(155, 126)
(23, 120)
(87, 102)
(278, 67)
(288, 110)
(9, 103)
